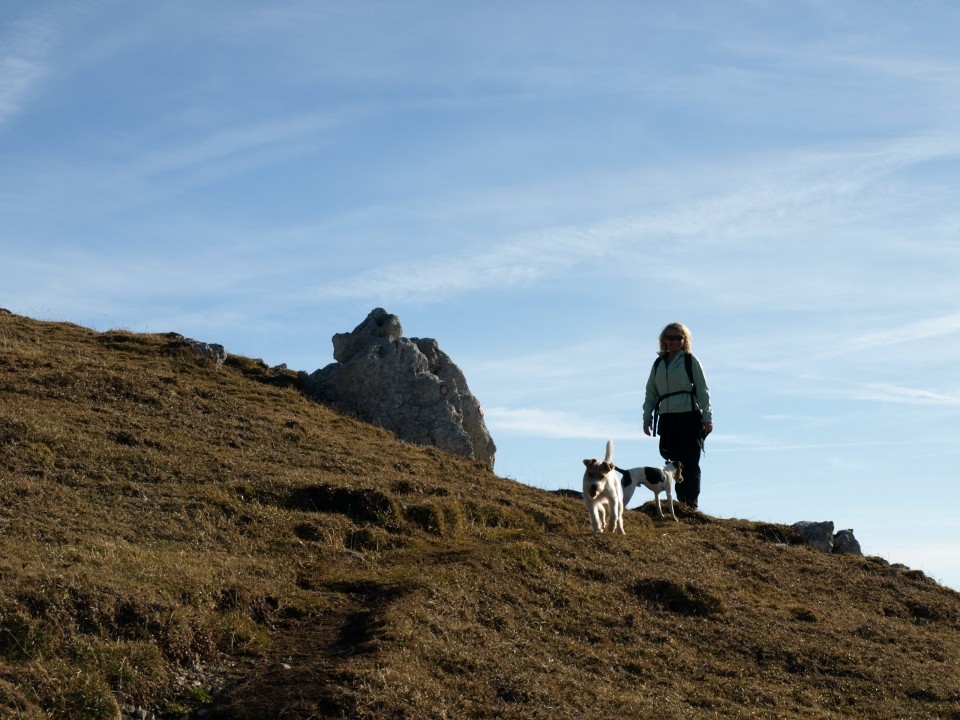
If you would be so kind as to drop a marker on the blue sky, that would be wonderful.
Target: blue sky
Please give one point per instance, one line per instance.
(540, 186)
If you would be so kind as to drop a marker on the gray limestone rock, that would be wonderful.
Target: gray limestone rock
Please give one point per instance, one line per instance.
(845, 543)
(406, 385)
(820, 535)
(817, 535)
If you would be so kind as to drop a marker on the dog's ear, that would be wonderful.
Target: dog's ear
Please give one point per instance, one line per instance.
(587, 462)
(607, 466)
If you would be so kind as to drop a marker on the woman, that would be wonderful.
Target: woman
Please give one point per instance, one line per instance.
(677, 408)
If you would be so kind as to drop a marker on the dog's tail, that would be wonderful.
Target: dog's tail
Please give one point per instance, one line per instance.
(609, 457)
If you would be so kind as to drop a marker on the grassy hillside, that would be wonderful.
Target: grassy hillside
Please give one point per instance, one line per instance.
(176, 535)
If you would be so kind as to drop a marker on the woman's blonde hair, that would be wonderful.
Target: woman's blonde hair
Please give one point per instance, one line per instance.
(676, 327)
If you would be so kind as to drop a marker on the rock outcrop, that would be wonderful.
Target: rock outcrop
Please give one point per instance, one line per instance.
(406, 385)
(211, 350)
(820, 535)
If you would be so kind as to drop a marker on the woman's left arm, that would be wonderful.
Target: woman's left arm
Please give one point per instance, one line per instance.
(703, 395)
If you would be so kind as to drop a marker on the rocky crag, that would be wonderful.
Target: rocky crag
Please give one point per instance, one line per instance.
(820, 535)
(406, 385)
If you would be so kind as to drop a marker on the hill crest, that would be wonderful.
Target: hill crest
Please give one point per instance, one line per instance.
(178, 534)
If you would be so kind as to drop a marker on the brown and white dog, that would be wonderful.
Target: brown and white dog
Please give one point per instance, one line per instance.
(656, 479)
(603, 494)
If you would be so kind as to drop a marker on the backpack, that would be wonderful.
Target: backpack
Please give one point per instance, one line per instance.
(688, 366)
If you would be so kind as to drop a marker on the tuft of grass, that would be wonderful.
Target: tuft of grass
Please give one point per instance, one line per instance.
(68, 692)
(686, 598)
(804, 615)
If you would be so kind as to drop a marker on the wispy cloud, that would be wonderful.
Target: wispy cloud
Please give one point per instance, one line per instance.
(907, 395)
(516, 263)
(137, 171)
(23, 65)
(888, 351)
(533, 422)
(906, 333)
(249, 145)
(785, 196)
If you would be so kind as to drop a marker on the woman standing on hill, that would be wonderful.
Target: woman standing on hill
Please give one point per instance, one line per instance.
(677, 407)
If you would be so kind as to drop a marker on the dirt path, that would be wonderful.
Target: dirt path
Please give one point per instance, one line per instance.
(303, 676)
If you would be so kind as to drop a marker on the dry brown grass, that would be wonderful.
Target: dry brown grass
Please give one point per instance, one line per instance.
(164, 521)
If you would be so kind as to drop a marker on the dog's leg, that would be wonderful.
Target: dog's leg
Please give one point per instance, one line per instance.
(615, 500)
(595, 511)
(670, 498)
(656, 496)
(618, 517)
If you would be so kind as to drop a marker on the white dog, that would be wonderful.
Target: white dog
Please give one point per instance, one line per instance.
(656, 479)
(603, 494)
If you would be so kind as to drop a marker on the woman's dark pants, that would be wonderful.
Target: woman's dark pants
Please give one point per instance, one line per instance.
(680, 440)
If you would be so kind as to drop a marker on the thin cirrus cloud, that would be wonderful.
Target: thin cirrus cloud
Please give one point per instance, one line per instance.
(138, 171)
(921, 330)
(785, 194)
(556, 424)
(23, 65)
(907, 395)
(445, 274)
